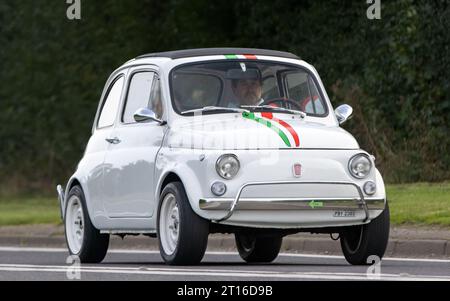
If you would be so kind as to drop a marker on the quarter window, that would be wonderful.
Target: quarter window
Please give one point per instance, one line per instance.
(303, 90)
(111, 104)
(156, 103)
(138, 94)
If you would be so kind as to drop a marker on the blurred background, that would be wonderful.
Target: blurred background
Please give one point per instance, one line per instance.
(393, 71)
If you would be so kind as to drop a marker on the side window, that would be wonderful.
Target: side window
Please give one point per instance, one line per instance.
(111, 104)
(138, 94)
(316, 104)
(155, 99)
(303, 90)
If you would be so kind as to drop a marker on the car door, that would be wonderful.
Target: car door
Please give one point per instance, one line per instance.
(129, 181)
(93, 161)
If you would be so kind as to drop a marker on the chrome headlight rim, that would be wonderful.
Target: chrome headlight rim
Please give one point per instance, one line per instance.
(355, 157)
(218, 165)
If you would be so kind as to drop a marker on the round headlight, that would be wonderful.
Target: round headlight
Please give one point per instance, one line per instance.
(360, 166)
(227, 166)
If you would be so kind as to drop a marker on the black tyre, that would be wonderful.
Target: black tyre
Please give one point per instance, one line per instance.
(82, 238)
(182, 234)
(360, 242)
(258, 248)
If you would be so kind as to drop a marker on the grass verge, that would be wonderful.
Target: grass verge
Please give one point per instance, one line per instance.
(29, 210)
(415, 204)
(420, 204)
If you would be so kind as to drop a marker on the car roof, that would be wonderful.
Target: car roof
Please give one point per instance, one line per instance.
(177, 54)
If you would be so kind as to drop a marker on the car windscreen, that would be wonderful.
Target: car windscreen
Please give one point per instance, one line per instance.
(241, 83)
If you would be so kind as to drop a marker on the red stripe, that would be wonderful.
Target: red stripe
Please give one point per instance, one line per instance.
(269, 115)
(250, 56)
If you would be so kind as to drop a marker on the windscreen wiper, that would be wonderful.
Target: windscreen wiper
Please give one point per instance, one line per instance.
(214, 108)
(267, 107)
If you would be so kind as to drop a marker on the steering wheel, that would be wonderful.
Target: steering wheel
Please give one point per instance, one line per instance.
(281, 100)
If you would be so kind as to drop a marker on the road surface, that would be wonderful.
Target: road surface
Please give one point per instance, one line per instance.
(18, 263)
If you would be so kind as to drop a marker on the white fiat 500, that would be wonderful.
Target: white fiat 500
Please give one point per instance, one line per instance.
(222, 140)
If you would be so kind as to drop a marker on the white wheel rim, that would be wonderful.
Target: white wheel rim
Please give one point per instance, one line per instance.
(169, 224)
(74, 223)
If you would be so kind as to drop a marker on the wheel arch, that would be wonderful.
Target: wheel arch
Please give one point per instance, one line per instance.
(168, 178)
(73, 181)
(76, 181)
(187, 179)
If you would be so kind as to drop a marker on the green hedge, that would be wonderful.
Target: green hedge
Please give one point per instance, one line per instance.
(393, 71)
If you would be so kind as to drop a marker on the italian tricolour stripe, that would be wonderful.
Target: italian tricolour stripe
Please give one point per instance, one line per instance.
(282, 128)
(285, 125)
(241, 56)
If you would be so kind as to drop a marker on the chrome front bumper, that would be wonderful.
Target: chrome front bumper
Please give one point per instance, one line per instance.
(292, 203)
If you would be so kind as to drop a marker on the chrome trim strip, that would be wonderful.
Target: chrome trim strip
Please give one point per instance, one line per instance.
(130, 232)
(360, 202)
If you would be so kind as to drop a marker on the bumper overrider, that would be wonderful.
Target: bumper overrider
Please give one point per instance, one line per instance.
(300, 203)
(61, 199)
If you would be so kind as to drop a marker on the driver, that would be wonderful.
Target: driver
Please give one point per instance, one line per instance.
(248, 91)
(247, 87)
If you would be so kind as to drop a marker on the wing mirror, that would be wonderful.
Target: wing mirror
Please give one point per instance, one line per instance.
(146, 115)
(343, 113)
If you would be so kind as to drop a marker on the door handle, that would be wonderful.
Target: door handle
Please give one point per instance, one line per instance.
(114, 140)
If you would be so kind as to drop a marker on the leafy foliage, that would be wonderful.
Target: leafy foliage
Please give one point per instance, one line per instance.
(393, 71)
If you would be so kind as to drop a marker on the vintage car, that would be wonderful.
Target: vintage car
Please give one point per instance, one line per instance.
(222, 140)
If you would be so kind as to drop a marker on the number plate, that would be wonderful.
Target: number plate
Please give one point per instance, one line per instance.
(344, 213)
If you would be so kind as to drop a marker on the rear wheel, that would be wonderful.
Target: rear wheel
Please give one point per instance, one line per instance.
(83, 239)
(182, 234)
(258, 248)
(358, 243)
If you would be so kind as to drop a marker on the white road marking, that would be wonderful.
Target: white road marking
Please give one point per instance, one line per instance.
(212, 273)
(384, 258)
(28, 249)
(127, 251)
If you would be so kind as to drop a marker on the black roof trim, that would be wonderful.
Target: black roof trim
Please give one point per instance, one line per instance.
(177, 54)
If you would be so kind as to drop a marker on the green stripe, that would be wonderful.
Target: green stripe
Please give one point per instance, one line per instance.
(267, 123)
(231, 56)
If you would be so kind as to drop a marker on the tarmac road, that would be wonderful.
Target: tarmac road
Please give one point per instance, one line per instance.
(17, 263)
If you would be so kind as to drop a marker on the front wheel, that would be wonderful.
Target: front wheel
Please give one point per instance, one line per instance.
(182, 234)
(258, 248)
(358, 243)
(83, 239)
